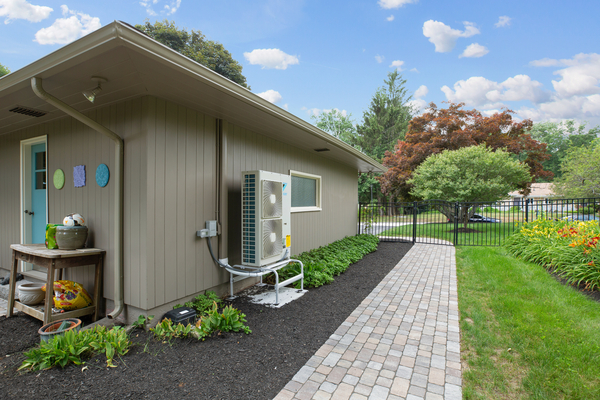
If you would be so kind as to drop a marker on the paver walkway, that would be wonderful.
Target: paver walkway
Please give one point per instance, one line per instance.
(402, 342)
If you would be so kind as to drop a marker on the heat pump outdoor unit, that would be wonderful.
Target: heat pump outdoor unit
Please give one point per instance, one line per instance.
(266, 204)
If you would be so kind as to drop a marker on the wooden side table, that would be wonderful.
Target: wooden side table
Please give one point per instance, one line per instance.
(54, 260)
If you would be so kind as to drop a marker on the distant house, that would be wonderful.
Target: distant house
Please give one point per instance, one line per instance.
(175, 138)
(539, 191)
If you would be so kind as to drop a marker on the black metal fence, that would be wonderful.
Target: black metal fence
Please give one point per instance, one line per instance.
(466, 224)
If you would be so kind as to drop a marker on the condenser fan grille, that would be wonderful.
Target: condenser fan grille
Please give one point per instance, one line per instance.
(271, 199)
(272, 237)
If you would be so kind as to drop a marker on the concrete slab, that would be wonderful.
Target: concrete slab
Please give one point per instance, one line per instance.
(267, 298)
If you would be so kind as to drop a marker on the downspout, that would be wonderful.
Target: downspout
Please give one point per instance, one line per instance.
(36, 85)
(222, 194)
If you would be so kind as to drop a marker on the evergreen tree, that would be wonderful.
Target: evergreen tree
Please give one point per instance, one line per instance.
(386, 120)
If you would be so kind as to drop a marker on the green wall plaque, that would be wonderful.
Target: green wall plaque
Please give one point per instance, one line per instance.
(59, 179)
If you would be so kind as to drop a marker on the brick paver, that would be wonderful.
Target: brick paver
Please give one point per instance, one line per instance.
(401, 342)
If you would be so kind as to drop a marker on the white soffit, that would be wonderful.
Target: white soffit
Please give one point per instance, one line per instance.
(136, 65)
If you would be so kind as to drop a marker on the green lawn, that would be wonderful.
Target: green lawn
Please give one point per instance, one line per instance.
(523, 334)
(489, 234)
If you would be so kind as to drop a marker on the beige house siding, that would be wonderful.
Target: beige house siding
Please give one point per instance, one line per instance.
(250, 151)
(170, 191)
(71, 143)
(180, 197)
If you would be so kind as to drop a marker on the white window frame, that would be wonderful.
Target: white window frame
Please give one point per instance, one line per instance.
(318, 189)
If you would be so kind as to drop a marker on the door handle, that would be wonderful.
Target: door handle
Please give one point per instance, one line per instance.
(29, 212)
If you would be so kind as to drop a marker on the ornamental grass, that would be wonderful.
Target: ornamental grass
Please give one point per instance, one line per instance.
(569, 248)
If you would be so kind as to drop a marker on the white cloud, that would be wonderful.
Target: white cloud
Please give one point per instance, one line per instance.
(544, 62)
(167, 9)
(317, 111)
(576, 93)
(414, 70)
(379, 58)
(388, 4)
(480, 92)
(272, 96)
(577, 107)
(580, 77)
(68, 29)
(21, 9)
(443, 37)
(271, 58)
(418, 105)
(503, 21)
(172, 8)
(474, 50)
(421, 91)
(397, 64)
(390, 18)
(312, 111)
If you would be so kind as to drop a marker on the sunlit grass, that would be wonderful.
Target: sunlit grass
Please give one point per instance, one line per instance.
(489, 234)
(524, 335)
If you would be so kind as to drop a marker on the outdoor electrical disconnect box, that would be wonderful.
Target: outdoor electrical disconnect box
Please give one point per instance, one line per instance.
(210, 231)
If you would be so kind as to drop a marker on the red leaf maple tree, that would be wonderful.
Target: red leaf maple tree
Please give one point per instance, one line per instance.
(452, 128)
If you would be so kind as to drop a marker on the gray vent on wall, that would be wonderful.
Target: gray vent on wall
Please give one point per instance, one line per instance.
(31, 112)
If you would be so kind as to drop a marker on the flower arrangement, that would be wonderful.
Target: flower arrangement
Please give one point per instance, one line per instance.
(569, 248)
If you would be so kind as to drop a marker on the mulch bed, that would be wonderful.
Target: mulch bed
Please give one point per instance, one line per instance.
(231, 366)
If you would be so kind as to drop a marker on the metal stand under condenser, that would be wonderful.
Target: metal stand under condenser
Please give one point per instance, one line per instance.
(243, 271)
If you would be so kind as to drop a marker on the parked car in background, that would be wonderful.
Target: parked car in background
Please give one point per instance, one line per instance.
(481, 218)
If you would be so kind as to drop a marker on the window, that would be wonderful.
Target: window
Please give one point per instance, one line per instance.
(306, 192)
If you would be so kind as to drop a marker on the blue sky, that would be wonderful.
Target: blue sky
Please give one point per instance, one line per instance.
(538, 58)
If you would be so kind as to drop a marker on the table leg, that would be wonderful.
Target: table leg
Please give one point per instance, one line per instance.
(49, 293)
(12, 285)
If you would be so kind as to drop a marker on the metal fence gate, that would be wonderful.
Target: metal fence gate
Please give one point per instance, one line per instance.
(466, 224)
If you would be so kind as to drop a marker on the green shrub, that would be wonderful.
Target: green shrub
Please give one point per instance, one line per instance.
(73, 346)
(322, 264)
(202, 303)
(230, 320)
(586, 210)
(166, 330)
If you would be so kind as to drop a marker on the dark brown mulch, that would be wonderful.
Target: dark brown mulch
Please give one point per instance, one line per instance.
(232, 366)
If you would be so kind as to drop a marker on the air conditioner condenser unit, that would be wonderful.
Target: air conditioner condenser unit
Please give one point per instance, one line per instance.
(266, 205)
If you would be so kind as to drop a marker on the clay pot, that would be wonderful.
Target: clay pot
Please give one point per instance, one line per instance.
(71, 237)
(31, 293)
(48, 331)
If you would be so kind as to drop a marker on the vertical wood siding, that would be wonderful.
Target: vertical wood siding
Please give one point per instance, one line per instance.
(338, 218)
(170, 191)
(181, 196)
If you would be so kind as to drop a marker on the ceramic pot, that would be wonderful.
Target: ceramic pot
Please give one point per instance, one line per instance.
(31, 293)
(48, 331)
(71, 237)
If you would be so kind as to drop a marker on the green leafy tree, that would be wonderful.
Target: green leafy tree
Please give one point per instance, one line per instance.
(580, 172)
(386, 120)
(4, 70)
(453, 128)
(469, 174)
(195, 46)
(337, 125)
(559, 138)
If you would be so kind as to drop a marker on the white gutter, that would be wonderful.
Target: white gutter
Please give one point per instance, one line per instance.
(36, 85)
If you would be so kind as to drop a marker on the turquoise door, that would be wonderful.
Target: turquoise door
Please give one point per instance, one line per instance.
(38, 193)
